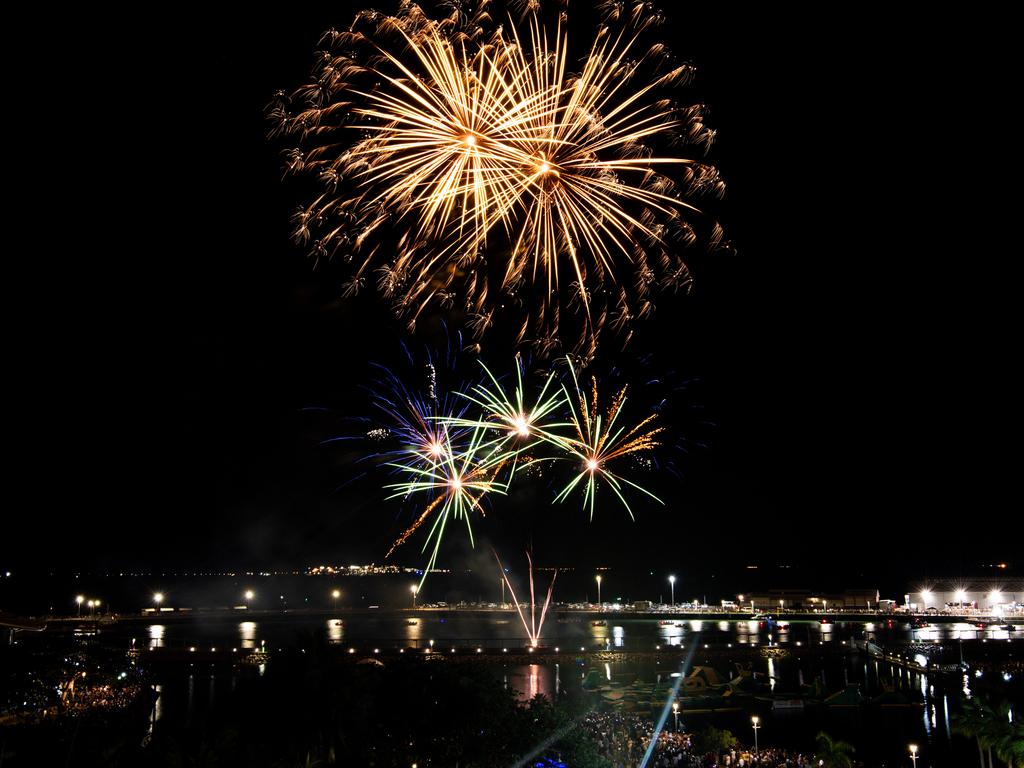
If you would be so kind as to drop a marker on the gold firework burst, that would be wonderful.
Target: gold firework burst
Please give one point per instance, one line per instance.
(489, 172)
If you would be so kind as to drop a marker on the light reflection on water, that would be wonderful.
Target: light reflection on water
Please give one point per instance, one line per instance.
(414, 632)
(618, 636)
(247, 632)
(155, 715)
(626, 633)
(529, 680)
(335, 631)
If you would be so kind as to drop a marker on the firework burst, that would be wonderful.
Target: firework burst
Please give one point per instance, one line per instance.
(455, 484)
(417, 419)
(497, 174)
(600, 442)
(518, 419)
(458, 447)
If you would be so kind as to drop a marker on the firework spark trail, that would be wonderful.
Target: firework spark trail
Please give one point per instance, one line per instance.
(519, 420)
(458, 480)
(533, 627)
(599, 442)
(512, 180)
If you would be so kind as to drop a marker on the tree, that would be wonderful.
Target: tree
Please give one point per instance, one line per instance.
(713, 740)
(1007, 737)
(973, 722)
(832, 753)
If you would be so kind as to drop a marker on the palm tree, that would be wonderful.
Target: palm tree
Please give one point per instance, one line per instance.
(832, 753)
(1007, 737)
(973, 722)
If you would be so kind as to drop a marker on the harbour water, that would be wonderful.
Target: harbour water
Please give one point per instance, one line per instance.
(806, 652)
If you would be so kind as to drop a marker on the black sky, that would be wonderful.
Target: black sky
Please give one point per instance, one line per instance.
(858, 355)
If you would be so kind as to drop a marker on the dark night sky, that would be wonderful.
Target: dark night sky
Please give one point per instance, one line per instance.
(858, 355)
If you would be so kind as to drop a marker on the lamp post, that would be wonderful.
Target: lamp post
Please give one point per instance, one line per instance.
(755, 721)
(158, 598)
(414, 589)
(675, 711)
(80, 599)
(249, 595)
(92, 606)
(598, 579)
(334, 597)
(672, 587)
(913, 754)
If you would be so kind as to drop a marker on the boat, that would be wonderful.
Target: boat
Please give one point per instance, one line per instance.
(412, 622)
(787, 704)
(891, 699)
(847, 698)
(600, 623)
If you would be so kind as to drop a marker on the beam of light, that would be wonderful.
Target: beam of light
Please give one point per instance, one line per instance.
(533, 627)
(470, 161)
(671, 697)
(599, 443)
(546, 744)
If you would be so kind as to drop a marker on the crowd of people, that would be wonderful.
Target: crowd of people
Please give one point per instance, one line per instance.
(622, 739)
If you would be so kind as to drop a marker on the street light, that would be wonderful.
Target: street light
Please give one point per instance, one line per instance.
(755, 721)
(334, 596)
(92, 605)
(672, 586)
(80, 599)
(249, 595)
(598, 579)
(414, 589)
(913, 754)
(157, 599)
(675, 711)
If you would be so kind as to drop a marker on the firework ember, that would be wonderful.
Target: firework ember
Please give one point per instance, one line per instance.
(488, 163)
